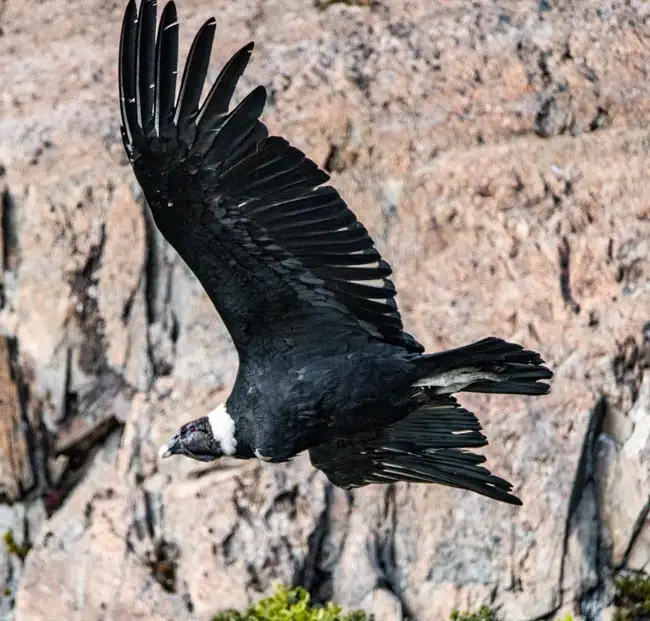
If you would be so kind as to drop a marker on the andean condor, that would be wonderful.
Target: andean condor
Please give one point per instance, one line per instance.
(324, 363)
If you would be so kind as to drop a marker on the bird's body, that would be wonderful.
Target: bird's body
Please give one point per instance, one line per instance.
(317, 398)
(325, 364)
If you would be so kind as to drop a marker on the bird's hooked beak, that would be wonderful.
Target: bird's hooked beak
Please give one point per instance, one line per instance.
(171, 448)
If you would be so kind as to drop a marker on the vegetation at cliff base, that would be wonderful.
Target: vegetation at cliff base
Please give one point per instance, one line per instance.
(632, 598)
(294, 605)
(484, 613)
(291, 605)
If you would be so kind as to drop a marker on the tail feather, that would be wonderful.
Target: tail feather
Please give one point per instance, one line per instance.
(491, 365)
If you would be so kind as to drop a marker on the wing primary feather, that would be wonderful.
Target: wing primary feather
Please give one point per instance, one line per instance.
(240, 119)
(285, 216)
(267, 152)
(297, 181)
(302, 247)
(370, 255)
(372, 312)
(266, 162)
(364, 291)
(146, 65)
(247, 143)
(127, 78)
(354, 273)
(229, 157)
(257, 170)
(196, 69)
(275, 180)
(166, 70)
(325, 220)
(322, 238)
(369, 309)
(218, 99)
(320, 198)
(305, 179)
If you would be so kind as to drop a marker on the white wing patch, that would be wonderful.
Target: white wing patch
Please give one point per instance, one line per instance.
(454, 381)
(223, 429)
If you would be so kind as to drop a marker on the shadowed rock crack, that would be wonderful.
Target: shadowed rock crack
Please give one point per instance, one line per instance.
(637, 528)
(564, 252)
(8, 228)
(83, 284)
(163, 328)
(585, 521)
(314, 575)
(9, 231)
(156, 552)
(163, 563)
(37, 450)
(70, 406)
(382, 552)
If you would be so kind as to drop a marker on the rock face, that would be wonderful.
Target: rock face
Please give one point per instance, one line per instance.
(500, 158)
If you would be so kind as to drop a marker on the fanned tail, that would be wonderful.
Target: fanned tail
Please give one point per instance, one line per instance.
(490, 365)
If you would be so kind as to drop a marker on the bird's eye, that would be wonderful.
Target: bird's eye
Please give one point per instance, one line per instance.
(191, 429)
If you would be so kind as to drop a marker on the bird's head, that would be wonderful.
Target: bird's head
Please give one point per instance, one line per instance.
(204, 439)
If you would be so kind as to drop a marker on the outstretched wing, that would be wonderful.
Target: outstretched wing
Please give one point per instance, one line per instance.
(279, 256)
(425, 447)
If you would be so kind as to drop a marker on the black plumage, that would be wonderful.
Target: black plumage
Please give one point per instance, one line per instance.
(325, 363)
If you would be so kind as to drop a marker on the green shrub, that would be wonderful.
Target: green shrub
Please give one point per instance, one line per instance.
(13, 547)
(632, 598)
(632, 601)
(484, 613)
(291, 605)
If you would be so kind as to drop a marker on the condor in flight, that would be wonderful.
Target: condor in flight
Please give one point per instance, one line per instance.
(324, 363)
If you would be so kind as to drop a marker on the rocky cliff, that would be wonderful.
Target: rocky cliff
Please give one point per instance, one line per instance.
(499, 154)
